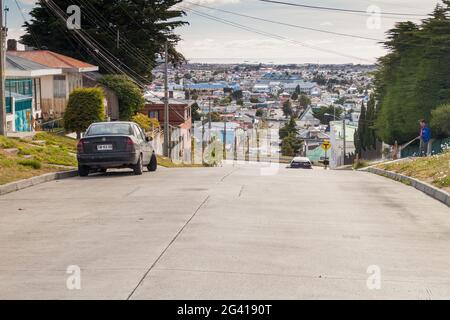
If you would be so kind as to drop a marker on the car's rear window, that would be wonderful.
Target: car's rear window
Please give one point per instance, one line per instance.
(110, 129)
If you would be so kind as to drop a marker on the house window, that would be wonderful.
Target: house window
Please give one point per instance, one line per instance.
(19, 86)
(59, 86)
(153, 114)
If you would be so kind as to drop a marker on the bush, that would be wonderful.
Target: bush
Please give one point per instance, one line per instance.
(30, 163)
(440, 120)
(130, 97)
(145, 122)
(85, 107)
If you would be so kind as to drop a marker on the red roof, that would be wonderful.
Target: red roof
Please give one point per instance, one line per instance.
(52, 59)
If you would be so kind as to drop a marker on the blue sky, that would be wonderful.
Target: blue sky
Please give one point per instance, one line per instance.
(212, 41)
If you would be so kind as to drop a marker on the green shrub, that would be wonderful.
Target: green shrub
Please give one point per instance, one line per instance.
(30, 163)
(440, 120)
(130, 97)
(85, 107)
(145, 122)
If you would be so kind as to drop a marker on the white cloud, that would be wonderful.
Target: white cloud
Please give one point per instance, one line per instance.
(207, 2)
(29, 2)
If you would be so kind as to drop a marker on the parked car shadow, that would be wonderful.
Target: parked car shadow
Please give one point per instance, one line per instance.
(114, 173)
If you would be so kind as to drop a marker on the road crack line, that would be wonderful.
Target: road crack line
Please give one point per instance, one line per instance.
(228, 174)
(167, 248)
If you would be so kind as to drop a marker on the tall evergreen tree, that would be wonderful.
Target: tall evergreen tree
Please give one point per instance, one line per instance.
(413, 78)
(369, 134)
(144, 27)
(362, 128)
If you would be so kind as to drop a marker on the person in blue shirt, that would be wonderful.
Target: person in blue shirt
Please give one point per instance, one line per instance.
(424, 137)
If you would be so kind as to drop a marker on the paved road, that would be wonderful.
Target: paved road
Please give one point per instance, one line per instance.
(230, 232)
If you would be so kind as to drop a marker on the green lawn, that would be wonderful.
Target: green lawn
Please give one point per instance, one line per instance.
(166, 162)
(434, 169)
(45, 153)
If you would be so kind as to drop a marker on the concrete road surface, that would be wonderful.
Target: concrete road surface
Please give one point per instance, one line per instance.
(241, 232)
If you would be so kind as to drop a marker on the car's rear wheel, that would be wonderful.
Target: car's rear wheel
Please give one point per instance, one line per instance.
(138, 168)
(83, 171)
(153, 165)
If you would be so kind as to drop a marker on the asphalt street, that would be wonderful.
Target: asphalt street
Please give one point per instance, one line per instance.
(234, 232)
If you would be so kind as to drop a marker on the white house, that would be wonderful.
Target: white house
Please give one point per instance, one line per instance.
(56, 88)
(23, 91)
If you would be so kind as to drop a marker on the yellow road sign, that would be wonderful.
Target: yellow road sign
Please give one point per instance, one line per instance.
(326, 145)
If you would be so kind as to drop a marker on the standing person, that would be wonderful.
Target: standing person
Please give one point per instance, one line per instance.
(425, 137)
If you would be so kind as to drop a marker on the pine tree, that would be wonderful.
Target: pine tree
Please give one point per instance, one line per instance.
(144, 24)
(413, 78)
(362, 129)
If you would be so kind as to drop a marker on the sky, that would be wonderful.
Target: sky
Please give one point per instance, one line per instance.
(208, 40)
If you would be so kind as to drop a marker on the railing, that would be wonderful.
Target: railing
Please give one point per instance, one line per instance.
(56, 125)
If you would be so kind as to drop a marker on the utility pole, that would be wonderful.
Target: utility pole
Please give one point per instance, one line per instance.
(209, 115)
(2, 73)
(166, 101)
(344, 148)
(225, 138)
(203, 139)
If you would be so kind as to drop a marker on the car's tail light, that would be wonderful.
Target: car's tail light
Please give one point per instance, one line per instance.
(80, 146)
(129, 145)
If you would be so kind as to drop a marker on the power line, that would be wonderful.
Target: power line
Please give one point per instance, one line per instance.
(111, 32)
(35, 39)
(93, 44)
(272, 35)
(340, 9)
(205, 15)
(286, 24)
(85, 38)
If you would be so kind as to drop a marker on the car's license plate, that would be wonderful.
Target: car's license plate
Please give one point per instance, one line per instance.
(104, 147)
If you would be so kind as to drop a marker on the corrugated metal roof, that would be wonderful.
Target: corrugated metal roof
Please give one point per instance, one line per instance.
(52, 59)
(18, 63)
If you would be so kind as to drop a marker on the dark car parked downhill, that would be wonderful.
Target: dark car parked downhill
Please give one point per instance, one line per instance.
(115, 145)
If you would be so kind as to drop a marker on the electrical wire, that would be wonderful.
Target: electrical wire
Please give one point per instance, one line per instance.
(272, 35)
(91, 43)
(33, 36)
(341, 10)
(112, 32)
(286, 24)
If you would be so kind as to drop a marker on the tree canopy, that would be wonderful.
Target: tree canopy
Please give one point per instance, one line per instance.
(128, 93)
(326, 113)
(144, 27)
(413, 79)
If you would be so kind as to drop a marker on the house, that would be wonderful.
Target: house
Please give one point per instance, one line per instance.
(307, 119)
(302, 86)
(90, 80)
(180, 122)
(278, 77)
(55, 88)
(261, 88)
(23, 91)
(337, 143)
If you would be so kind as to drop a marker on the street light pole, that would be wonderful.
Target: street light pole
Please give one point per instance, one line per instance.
(166, 101)
(2, 73)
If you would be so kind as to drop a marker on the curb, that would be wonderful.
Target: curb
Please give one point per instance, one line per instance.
(23, 184)
(426, 188)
